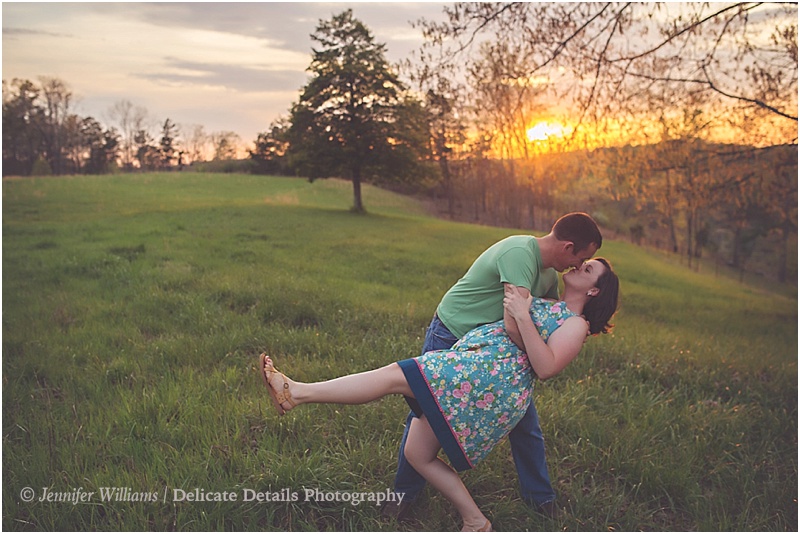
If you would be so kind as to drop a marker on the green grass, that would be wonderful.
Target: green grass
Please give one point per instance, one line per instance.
(134, 308)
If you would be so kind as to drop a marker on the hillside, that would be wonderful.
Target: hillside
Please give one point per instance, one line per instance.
(134, 308)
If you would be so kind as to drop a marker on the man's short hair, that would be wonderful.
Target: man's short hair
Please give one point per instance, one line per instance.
(579, 228)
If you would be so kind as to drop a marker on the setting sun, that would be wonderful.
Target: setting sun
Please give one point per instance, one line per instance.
(545, 130)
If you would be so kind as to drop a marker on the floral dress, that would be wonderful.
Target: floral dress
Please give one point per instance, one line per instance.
(475, 393)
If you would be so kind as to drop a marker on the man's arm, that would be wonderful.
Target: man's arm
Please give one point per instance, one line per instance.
(512, 328)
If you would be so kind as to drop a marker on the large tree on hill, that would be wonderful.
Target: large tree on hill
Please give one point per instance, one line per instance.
(353, 118)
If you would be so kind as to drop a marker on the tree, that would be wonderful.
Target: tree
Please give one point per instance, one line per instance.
(74, 149)
(166, 145)
(102, 146)
(226, 145)
(131, 122)
(270, 149)
(57, 99)
(447, 132)
(760, 189)
(22, 138)
(37, 124)
(147, 153)
(41, 136)
(349, 119)
(781, 190)
(196, 143)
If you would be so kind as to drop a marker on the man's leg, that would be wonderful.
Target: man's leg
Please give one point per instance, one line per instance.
(527, 447)
(407, 480)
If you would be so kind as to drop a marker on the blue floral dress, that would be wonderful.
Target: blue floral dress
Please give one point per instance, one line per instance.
(475, 393)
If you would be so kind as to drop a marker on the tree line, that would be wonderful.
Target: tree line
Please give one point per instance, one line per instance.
(43, 135)
(679, 121)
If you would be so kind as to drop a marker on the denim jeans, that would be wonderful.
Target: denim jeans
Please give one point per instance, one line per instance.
(527, 442)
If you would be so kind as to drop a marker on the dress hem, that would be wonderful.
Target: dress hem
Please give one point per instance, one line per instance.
(426, 404)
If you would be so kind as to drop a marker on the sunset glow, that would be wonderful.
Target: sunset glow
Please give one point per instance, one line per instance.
(544, 130)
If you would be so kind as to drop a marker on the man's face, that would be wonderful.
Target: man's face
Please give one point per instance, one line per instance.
(569, 258)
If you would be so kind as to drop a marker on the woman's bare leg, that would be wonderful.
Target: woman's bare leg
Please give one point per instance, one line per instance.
(359, 388)
(421, 451)
(422, 446)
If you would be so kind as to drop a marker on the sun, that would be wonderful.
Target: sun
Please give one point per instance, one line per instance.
(544, 130)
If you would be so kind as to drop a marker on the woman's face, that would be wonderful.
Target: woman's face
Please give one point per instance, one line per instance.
(585, 277)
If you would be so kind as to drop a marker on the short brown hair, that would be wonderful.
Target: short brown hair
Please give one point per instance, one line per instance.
(580, 229)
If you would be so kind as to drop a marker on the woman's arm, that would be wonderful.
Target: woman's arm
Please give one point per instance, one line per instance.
(563, 346)
(547, 359)
(512, 329)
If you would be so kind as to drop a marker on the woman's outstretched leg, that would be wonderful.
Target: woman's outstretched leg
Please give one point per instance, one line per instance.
(422, 448)
(359, 388)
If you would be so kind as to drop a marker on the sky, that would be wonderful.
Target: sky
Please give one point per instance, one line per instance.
(225, 66)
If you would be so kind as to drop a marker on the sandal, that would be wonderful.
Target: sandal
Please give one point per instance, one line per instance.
(278, 397)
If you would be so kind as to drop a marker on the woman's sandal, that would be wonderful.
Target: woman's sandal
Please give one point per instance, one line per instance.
(278, 397)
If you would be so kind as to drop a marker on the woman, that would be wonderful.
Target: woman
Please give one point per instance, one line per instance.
(469, 397)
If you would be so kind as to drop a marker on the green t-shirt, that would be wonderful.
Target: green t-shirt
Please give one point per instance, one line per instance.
(477, 298)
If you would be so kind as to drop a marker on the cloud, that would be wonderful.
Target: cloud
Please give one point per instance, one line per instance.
(11, 32)
(255, 79)
(287, 25)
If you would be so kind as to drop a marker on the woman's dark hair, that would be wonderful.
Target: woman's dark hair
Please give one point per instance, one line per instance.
(600, 308)
(580, 229)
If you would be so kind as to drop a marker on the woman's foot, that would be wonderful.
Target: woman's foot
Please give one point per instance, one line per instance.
(477, 525)
(277, 384)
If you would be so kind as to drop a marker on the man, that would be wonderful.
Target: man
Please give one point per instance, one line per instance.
(530, 263)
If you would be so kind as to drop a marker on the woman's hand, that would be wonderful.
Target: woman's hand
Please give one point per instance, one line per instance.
(517, 305)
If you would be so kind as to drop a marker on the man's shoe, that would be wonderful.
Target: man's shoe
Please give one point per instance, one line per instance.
(400, 512)
(548, 509)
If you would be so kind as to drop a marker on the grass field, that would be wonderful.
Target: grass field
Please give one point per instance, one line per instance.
(134, 308)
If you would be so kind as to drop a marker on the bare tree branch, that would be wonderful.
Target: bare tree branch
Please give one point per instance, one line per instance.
(684, 30)
(755, 101)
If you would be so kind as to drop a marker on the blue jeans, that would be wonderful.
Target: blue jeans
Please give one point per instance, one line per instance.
(527, 442)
